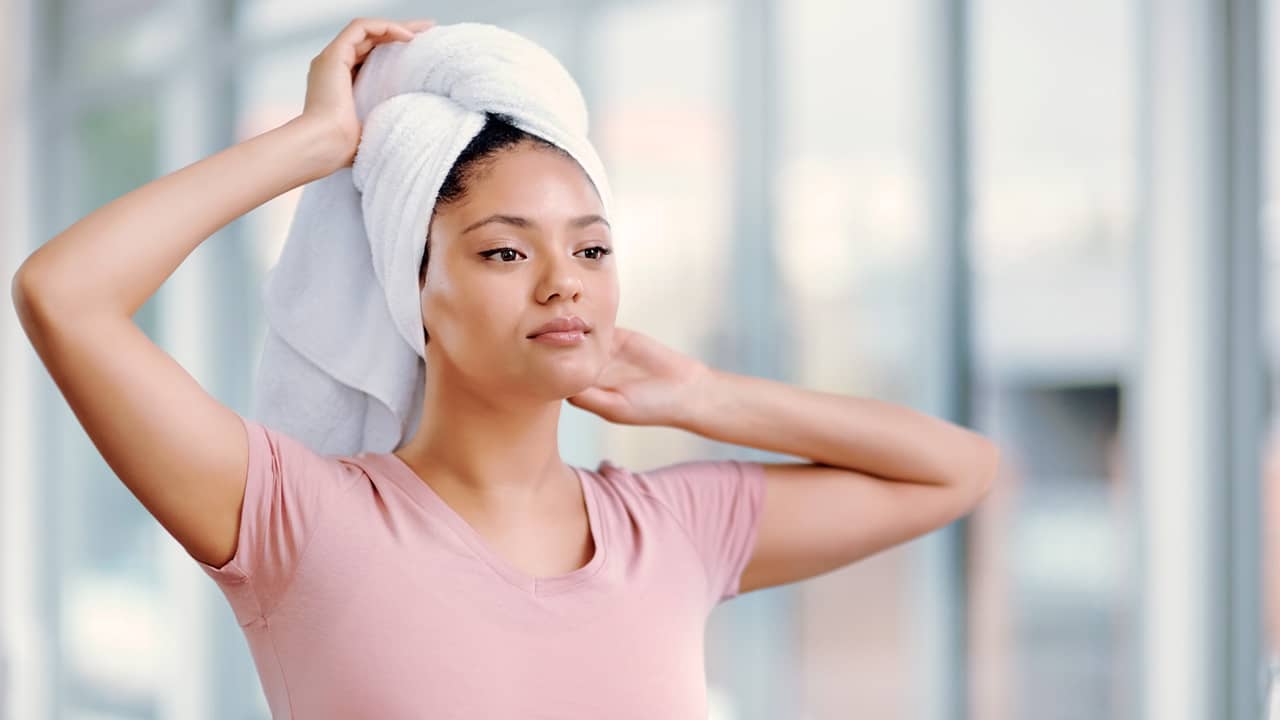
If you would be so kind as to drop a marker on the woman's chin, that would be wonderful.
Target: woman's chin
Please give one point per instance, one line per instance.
(565, 382)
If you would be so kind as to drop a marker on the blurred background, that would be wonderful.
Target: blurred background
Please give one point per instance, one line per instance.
(1049, 221)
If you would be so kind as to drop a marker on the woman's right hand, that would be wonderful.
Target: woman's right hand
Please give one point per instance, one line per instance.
(330, 102)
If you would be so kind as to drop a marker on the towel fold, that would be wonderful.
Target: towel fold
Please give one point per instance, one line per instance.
(343, 362)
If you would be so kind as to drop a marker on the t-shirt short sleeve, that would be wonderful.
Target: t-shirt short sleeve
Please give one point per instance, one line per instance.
(287, 488)
(719, 503)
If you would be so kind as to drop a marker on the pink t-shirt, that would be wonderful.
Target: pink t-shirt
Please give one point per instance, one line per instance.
(363, 594)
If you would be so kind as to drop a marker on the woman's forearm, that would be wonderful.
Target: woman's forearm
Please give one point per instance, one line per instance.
(871, 436)
(115, 258)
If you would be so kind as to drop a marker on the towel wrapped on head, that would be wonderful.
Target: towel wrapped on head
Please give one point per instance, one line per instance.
(343, 361)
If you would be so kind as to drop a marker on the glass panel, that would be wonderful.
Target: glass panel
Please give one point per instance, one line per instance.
(1271, 297)
(1054, 154)
(108, 40)
(849, 241)
(108, 593)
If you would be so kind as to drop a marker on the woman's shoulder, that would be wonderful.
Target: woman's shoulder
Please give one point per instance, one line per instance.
(678, 482)
(289, 460)
(692, 469)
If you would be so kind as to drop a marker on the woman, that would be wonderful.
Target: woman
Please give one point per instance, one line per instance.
(471, 572)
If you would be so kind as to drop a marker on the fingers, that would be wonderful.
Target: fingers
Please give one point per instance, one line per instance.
(373, 32)
(361, 35)
(404, 30)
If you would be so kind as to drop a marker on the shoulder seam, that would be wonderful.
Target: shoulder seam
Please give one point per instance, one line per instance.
(287, 585)
(693, 545)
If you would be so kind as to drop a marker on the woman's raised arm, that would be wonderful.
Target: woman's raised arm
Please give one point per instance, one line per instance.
(182, 453)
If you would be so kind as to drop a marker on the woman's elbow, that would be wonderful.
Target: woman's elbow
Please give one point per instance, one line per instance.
(973, 478)
(984, 469)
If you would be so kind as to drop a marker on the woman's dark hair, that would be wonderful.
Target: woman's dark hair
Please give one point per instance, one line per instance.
(478, 156)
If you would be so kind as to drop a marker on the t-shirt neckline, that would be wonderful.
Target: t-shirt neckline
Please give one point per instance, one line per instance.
(426, 496)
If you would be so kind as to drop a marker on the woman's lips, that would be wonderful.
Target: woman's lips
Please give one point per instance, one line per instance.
(568, 323)
(561, 339)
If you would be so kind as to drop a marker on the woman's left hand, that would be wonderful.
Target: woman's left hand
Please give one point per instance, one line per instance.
(644, 383)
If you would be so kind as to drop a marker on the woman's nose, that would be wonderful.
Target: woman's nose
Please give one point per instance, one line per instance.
(562, 278)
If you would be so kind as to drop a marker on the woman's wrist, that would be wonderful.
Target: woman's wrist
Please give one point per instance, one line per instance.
(317, 147)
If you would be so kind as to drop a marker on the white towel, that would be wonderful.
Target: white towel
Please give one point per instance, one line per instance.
(342, 366)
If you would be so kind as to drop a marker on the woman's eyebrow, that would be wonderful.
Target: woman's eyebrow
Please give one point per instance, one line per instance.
(523, 222)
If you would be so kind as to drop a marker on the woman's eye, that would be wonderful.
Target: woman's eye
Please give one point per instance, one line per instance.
(507, 253)
(510, 254)
(601, 250)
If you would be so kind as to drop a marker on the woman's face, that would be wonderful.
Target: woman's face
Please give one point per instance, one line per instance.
(517, 252)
